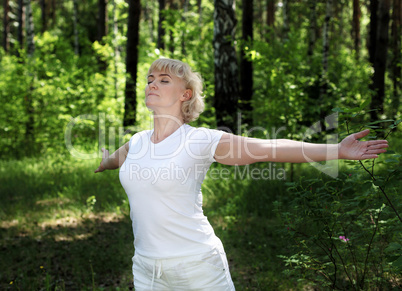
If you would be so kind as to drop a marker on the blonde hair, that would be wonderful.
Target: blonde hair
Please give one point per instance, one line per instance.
(192, 108)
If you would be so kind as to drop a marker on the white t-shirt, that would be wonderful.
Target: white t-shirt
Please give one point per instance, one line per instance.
(163, 185)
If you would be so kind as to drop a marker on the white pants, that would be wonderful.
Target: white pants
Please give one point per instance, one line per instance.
(209, 271)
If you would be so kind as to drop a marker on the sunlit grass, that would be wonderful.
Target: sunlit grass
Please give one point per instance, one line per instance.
(62, 227)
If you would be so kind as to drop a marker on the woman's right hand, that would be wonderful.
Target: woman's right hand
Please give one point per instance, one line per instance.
(105, 155)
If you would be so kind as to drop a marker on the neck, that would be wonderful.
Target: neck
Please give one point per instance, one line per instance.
(165, 125)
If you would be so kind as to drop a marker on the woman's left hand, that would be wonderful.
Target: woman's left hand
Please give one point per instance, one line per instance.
(350, 148)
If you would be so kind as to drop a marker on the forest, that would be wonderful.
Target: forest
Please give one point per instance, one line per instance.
(72, 79)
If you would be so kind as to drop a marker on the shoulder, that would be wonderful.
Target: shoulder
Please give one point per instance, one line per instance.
(139, 136)
(203, 133)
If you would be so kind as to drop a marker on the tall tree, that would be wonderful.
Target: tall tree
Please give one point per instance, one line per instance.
(183, 36)
(43, 7)
(29, 126)
(116, 54)
(312, 27)
(102, 29)
(270, 13)
(149, 20)
(325, 53)
(29, 28)
(199, 4)
(356, 26)
(396, 35)
(226, 68)
(285, 10)
(246, 66)
(130, 103)
(75, 21)
(380, 60)
(102, 19)
(21, 22)
(6, 26)
(161, 30)
(372, 37)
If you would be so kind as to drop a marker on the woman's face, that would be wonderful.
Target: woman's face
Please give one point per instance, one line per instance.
(165, 92)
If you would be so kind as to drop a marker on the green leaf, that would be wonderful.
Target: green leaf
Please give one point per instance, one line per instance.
(392, 247)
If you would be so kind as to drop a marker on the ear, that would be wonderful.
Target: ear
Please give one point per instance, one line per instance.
(187, 95)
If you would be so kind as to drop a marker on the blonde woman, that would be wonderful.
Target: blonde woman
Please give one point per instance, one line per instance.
(162, 171)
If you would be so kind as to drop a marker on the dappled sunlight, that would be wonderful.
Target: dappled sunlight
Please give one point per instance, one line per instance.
(67, 237)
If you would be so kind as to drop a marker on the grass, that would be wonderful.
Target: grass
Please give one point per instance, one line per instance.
(65, 228)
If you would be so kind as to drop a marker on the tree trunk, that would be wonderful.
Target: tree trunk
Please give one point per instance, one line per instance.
(199, 2)
(380, 61)
(325, 53)
(149, 20)
(29, 28)
(312, 27)
(356, 26)
(6, 26)
(102, 30)
(29, 126)
(372, 40)
(285, 9)
(161, 30)
(130, 104)
(183, 36)
(102, 19)
(226, 68)
(43, 8)
(116, 49)
(246, 66)
(21, 23)
(270, 13)
(52, 13)
(396, 58)
(75, 21)
(171, 5)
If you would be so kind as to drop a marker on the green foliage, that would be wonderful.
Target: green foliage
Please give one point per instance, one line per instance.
(345, 232)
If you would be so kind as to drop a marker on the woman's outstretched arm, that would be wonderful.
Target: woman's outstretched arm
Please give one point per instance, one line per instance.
(239, 150)
(113, 161)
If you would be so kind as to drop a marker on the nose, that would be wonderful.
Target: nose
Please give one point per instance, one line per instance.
(152, 85)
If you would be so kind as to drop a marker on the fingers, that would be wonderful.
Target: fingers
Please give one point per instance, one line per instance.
(361, 134)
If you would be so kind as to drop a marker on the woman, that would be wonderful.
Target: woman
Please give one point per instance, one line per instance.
(162, 171)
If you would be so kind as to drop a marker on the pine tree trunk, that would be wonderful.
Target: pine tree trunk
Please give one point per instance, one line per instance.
(75, 21)
(380, 61)
(130, 103)
(183, 36)
(226, 68)
(312, 27)
(29, 126)
(246, 66)
(270, 13)
(199, 2)
(161, 31)
(102, 19)
(116, 48)
(102, 30)
(149, 20)
(325, 53)
(396, 58)
(356, 26)
(6, 26)
(43, 8)
(21, 22)
(372, 40)
(29, 28)
(285, 8)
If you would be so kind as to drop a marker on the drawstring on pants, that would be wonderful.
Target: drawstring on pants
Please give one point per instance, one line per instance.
(158, 266)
